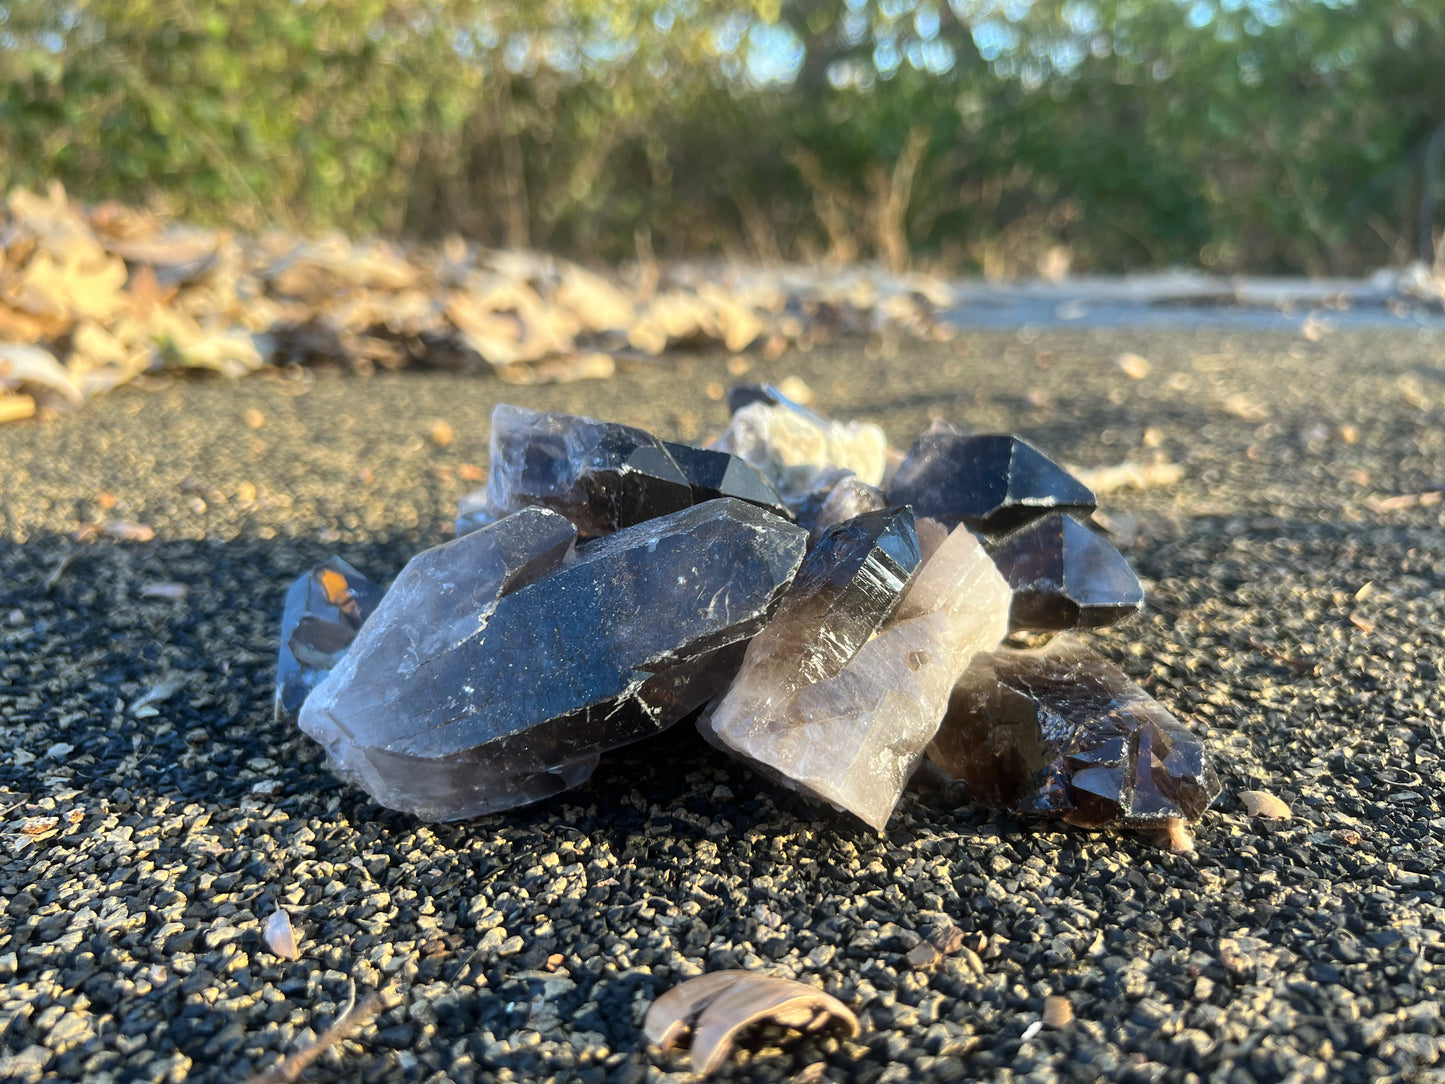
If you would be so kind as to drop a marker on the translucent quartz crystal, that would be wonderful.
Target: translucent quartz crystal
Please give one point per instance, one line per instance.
(849, 496)
(500, 664)
(846, 718)
(324, 608)
(601, 476)
(1061, 731)
(792, 447)
(992, 483)
(1065, 576)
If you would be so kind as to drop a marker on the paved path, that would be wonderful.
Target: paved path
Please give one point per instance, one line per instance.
(1297, 602)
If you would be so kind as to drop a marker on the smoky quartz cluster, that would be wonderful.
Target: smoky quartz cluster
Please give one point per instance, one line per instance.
(826, 610)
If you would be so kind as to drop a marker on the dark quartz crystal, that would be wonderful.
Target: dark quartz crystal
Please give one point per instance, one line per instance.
(324, 609)
(845, 590)
(991, 483)
(497, 667)
(718, 474)
(1065, 576)
(1061, 731)
(599, 475)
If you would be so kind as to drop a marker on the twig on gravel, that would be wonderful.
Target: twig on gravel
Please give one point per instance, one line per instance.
(290, 1068)
(59, 570)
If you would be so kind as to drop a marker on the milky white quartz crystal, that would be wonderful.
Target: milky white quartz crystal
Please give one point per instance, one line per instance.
(791, 448)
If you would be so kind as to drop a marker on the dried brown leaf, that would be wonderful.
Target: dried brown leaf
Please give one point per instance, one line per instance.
(1134, 366)
(1058, 1012)
(1128, 476)
(562, 370)
(1177, 837)
(14, 407)
(440, 432)
(24, 327)
(127, 531)
(717, 1006)
(74, 287)
(1260, 803)
(35, 370)
(595, 303)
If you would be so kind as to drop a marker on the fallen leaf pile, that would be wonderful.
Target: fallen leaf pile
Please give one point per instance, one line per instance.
(717, 1006)
(92, 297)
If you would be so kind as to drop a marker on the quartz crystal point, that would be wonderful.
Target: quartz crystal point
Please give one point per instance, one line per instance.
(498, 666)
(1065, 576)
(798, 451)
(992, 483)
(599, 475)
(846, 719)
(324, 608)
(849, 496)
(1061, 731)
(718, 474)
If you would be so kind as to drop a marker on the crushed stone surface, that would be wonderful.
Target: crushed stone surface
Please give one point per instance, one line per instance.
(153, 816)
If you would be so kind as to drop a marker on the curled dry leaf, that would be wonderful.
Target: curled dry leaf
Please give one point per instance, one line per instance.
(1260, 803)
(717, 1006)
(281, 935)
(1129, 476)
(37, 371)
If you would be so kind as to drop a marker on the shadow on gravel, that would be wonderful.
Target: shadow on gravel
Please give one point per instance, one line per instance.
(113, 684)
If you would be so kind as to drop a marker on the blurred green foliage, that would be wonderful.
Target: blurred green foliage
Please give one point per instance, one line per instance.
(1268, 135)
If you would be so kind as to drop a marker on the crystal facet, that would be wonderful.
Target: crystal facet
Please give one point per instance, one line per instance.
(599, 475)
(498, 666)
(718, 474)
(992, 483)
(1065, 576)
(1064, 732)
(324, 608)
(849, 496)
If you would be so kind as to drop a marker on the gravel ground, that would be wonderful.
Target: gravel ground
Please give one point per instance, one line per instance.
(1296, 581)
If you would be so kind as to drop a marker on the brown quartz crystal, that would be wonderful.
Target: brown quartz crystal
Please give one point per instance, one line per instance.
(1061, 731)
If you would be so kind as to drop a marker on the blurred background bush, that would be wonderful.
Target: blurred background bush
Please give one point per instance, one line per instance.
(994, 136)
